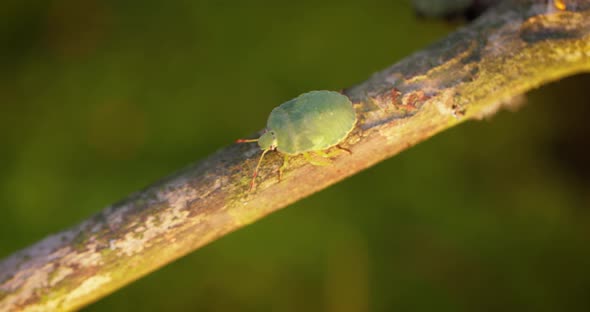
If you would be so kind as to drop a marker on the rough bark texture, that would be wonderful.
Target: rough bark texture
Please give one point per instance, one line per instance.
(469, 75)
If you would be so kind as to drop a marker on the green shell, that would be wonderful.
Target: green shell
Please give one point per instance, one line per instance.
(311, 122)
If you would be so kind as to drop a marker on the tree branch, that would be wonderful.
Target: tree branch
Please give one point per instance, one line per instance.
(469, 75)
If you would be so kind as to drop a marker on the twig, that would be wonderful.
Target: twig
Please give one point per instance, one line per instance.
(469, 75)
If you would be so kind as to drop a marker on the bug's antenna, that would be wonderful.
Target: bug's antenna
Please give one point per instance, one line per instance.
(246, 140)
(256, 170)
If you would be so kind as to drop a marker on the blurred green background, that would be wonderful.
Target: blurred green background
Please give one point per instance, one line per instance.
(101, 98)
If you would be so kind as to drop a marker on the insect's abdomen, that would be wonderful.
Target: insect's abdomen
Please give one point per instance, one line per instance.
(313, 121)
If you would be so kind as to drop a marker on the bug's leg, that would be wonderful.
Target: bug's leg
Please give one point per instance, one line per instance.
(283, 166)
(314, 162)
(256, 170)
(343, 149)
(331, 154)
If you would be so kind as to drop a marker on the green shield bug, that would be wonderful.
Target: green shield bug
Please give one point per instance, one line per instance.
(311, 122)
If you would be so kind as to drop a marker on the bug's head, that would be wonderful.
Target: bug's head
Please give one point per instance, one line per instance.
(268, 141)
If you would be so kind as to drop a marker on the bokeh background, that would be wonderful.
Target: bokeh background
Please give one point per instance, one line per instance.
(101, 98)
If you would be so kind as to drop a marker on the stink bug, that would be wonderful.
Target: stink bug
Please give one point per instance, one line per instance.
(311, 122)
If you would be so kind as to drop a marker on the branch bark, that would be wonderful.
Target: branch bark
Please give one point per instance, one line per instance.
(471, 74)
